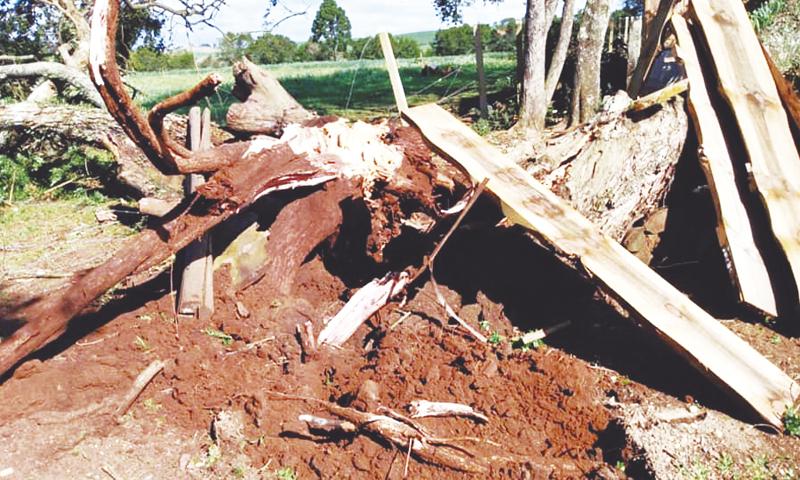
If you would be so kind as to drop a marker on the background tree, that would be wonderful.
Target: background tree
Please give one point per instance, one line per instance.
(59, 29)
(586, 94)
(233, 46)
(532, 57)
(146, 59)
(270, 48)
(533, 104)
(502, 37)
(370, 48)
(454, 41)
(331, 27)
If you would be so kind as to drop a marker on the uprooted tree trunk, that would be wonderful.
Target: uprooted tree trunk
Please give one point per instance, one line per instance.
(618, 168)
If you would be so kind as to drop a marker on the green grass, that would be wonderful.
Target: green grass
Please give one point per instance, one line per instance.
(325, 86)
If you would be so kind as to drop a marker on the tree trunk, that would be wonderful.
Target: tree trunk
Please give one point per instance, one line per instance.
(27, 125)
(267, 106)
(615, 170)
(562, 47)
(77, 57)
(57, 72)
(591, 35)
(533, 107)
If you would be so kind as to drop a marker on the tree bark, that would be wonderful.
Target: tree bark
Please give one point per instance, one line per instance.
(77, 57)
(533, 105)
(561, 50)
(615, 170)
(591, 35)
(267, 106)
(57, 72)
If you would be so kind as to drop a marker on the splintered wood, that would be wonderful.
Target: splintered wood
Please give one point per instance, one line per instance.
(713, 349)
(745, 264)
(746, 83)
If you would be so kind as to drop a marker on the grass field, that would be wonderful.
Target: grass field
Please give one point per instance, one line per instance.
(351, 89)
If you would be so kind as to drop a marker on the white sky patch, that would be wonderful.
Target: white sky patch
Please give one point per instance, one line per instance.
(367, 17)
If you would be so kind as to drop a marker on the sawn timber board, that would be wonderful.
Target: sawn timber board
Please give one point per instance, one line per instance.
(735, 234)
(713, 349)
(746, 83)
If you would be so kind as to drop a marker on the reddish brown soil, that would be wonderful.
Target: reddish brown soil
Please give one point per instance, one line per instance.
(544, 406)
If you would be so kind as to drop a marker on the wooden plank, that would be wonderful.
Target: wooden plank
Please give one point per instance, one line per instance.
(192, 297)
(659, 96)
(394, 73)
(747, 85)
(745, 265)
(650, 47)
(207, 307)
(708, 345)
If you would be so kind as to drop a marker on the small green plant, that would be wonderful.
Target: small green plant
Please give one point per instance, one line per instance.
(485, 326)
(725, 465)
(697, 471)
(791, 421)
(765, 15)
(495, 338)
(286, 473)
(757, 468)
(223, 337)
(775, 340)
(151, 405)
(142, 344)
(482, 127)
(620, 465)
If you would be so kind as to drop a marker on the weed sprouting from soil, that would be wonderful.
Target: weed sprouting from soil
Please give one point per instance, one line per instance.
(286, 473)
(223, 337)
(791, 421)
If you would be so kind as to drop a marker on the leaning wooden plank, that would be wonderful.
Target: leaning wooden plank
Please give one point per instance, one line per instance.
(650, 47)
(747, 85)
(745, 264)
(394, 73)
(710, 347)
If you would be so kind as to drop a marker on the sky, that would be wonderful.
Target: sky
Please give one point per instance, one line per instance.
(367, 17)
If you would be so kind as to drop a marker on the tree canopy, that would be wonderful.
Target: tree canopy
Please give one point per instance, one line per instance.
(331, 26)
(32, 27)
(370, 47)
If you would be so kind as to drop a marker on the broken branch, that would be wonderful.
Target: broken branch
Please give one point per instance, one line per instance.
(425, 408)
(164, 153)
(144, 378)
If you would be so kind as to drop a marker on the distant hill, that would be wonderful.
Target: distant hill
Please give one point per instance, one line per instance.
(424, 39)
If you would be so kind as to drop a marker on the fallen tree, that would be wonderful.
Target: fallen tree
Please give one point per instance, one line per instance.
(58, 73)
(390, 170)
